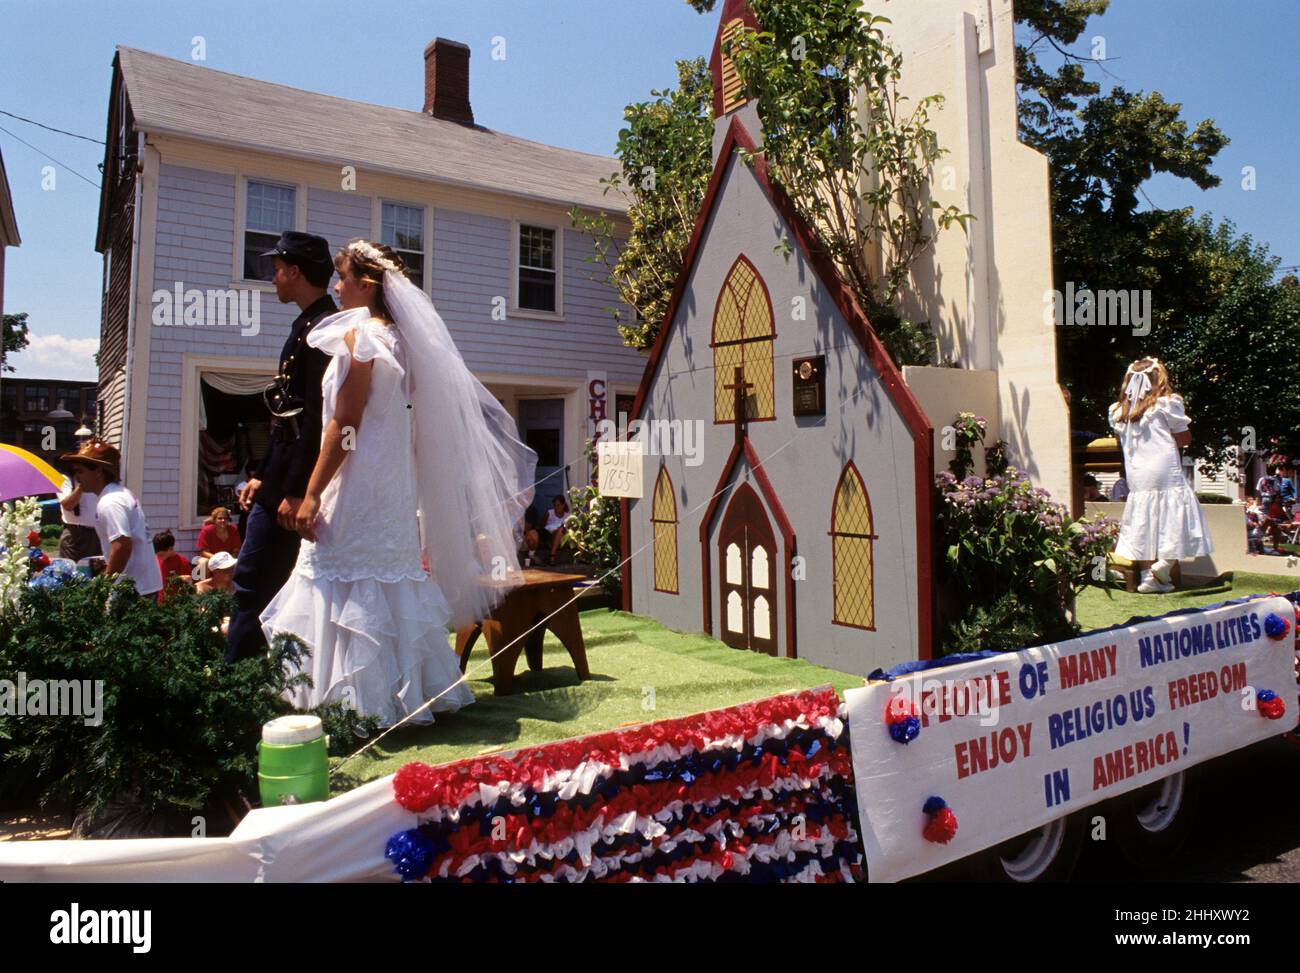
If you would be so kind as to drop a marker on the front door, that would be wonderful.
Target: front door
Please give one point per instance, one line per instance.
(541, 427)
(747, 574)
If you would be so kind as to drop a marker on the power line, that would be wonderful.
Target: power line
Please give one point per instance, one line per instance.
(50, 157)
(50, 128)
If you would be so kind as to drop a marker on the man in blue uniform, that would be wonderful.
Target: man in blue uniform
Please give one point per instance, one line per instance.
(303, 269)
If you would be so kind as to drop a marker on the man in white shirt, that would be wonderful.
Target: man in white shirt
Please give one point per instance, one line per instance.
(78, 539)
(119, 521)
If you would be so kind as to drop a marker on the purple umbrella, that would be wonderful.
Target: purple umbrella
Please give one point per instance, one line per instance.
(24, 474)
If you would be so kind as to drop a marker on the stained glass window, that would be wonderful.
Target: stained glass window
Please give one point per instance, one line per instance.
(663, 521)
(743, 333)
(853, 539)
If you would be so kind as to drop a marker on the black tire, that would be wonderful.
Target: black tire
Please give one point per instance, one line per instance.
(1048, 854)
(1151, 824)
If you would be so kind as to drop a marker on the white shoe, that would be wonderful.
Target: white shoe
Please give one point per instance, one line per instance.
(1162, 571)
(1150, 586)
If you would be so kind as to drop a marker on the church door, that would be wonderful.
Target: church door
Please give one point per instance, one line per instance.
(747, 572)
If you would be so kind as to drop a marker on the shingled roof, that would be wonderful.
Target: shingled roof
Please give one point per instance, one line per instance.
(179, 98)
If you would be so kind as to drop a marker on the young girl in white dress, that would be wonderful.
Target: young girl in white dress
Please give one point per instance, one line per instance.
(403, 427)
(1162, 520)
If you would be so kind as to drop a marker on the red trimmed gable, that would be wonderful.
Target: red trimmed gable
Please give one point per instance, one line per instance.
(810, 246)
(815, 253)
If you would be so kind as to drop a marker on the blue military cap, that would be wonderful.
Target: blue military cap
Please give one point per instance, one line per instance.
(302, 250)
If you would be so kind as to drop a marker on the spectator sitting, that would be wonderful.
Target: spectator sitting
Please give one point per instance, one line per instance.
(218, 534)
(1092, 490)
(532, 538)
(220, 573)
(553, 530)
(171, 564)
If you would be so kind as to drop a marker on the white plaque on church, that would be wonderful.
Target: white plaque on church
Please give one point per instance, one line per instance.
(620, 469)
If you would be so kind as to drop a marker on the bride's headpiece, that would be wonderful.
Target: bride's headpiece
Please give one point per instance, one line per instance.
(364, 248)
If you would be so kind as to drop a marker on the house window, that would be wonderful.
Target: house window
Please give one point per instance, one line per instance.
(538, 277)
(852, 553)
(269, 210)
(402, 228)
(663, 521)
(37, 399)
(743, 333)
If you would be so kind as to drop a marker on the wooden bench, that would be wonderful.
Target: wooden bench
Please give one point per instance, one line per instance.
(1132, 577)
(543, 593)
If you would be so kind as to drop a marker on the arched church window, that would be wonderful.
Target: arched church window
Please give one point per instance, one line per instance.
(743, 334)
(663, 522)
(852, 552)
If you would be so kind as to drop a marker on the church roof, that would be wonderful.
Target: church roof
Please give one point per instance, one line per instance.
(176, 97)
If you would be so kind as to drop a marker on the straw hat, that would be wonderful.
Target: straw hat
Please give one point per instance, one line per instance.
(96, 453)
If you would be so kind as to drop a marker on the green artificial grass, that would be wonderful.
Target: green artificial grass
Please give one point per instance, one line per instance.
(640, 672)
(1101, 608)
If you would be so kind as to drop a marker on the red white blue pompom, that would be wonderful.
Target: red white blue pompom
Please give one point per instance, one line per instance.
(1270, 704)
(1275, 626)
(900, 717)
(942, 825)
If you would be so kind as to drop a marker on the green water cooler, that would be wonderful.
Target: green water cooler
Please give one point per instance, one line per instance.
(293, 761)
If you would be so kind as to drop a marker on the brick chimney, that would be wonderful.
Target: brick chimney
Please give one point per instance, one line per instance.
(446, 81)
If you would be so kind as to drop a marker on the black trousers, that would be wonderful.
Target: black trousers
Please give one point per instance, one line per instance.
(266, 560)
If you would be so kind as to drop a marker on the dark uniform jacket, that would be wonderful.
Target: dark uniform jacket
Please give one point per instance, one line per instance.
(286, 468)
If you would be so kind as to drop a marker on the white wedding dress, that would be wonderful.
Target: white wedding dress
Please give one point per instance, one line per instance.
(375, 622)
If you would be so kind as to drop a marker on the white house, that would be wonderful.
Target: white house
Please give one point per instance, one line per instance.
(204, 169)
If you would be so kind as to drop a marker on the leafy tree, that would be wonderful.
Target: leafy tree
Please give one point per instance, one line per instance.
(666, 154)
(804, 71)
(1227, 361)
(15, 338)
(1102, 148)
(857, 172)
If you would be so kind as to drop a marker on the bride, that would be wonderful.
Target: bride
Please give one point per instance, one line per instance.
(418, 461)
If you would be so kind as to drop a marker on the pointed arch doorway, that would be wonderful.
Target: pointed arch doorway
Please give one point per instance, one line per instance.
(747, 574)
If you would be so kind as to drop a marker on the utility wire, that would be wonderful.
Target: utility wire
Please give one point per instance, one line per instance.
(50, 157)
(50, 128)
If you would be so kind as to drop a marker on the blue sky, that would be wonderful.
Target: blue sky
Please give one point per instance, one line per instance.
(570, 68)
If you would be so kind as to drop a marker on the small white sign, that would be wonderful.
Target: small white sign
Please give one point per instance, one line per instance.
(620, 469)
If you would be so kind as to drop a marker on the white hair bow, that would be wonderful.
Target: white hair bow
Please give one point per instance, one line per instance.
(1139, 384)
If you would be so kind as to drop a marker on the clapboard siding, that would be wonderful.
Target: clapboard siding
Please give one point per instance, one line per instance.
(116, 304)
(338, 217)
(469, 257)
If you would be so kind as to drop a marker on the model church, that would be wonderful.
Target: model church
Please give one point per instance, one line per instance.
(802, 526)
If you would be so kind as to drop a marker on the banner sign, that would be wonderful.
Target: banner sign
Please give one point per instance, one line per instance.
(955, 759)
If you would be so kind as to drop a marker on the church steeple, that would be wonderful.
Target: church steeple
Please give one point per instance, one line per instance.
(728, 93)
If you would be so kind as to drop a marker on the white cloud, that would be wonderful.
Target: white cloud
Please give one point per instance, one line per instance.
(55, 356)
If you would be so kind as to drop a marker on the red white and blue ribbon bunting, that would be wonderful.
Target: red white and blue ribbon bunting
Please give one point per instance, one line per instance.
(758, 792)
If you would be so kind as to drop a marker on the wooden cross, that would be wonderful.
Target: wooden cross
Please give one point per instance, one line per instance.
(739, 386)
